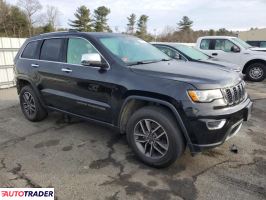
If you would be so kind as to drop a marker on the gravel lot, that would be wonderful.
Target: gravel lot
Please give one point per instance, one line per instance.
(86, 161)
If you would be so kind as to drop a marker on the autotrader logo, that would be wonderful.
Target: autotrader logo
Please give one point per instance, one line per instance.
(26, 193)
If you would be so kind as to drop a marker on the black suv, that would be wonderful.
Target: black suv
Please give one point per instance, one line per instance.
(121, 81)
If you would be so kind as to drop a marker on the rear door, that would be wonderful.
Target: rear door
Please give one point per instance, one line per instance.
(51, 80)
(28, 58)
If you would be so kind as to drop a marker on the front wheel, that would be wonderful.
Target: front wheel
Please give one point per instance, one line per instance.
(256, 72)
(154, 136)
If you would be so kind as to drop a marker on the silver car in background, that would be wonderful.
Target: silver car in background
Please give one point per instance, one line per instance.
(190, 54)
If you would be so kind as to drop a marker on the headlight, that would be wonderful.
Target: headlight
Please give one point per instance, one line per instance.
(205, 96)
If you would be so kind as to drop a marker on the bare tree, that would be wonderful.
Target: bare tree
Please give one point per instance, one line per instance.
(31, 7)
(52, 15)
(3, 15)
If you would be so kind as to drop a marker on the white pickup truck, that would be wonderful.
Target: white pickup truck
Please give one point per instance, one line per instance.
(252, 60)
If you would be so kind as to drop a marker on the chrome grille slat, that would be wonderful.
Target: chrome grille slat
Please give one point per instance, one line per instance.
(235, 94)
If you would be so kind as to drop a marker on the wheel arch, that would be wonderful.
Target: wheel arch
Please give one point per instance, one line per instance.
(252, 62)
(134, 102)
(23, 81)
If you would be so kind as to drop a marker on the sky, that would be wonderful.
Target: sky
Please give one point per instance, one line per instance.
(206, 14)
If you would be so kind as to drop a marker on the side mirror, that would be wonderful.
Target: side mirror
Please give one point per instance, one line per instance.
(235, 49)
(92, 59)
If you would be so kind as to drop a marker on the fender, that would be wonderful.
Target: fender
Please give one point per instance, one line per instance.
(35, 89)
(168, 105)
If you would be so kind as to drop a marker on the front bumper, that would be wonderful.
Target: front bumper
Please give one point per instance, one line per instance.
(202, 137)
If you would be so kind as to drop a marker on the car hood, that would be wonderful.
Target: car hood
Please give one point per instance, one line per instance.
(201, 75)
(257, 49)
(221, 63)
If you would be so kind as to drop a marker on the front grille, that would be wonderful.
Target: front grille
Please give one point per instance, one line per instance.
(235, 94)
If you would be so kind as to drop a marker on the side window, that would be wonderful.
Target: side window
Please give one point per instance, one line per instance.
(168, 51)
(77, 48)
(205, 44)
(51, 49)
(224, 45)
(30, 50)
(228, 46)
(263, 44)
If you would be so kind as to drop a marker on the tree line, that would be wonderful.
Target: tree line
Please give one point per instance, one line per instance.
(98, 22)
(184, 32)
(28, 18)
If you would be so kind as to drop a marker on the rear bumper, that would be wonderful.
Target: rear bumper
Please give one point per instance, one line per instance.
(203, 138)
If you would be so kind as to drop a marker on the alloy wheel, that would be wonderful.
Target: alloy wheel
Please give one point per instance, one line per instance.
(28, 104)
(151, 138)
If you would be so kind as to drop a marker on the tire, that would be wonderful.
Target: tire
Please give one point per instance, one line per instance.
(256, 72)
(30, 105)
(172, 140)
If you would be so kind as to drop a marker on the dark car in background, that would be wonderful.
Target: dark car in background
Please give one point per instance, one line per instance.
(189, 53)
(125, 83)
(257, 43)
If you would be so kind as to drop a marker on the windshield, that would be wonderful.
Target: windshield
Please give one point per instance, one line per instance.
(241, 43)
(132, 50)
(191, 52)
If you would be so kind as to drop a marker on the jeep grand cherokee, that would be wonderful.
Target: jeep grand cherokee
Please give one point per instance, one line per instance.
(123, 82)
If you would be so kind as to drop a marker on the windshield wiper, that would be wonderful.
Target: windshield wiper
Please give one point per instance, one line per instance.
(148, 61)
(166, 59)
(143, 62)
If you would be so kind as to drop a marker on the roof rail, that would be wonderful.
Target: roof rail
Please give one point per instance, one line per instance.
(53, 32)
(73, 30)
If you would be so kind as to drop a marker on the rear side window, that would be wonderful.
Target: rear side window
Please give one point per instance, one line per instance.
(205, 44)
(30, 50)
(51, 49)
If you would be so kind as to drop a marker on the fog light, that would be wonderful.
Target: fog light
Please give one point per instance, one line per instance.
(215, 124)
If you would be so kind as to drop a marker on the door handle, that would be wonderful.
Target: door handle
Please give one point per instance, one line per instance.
(215, 54)
(66, 70)
(35, 65)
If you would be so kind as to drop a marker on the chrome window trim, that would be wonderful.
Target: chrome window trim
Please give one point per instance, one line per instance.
(64, 37)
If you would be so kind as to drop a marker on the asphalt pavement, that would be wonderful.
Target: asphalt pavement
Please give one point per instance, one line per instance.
(84, 161)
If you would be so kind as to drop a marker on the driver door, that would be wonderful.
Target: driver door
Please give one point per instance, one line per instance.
(86, 92)
(224, 51)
